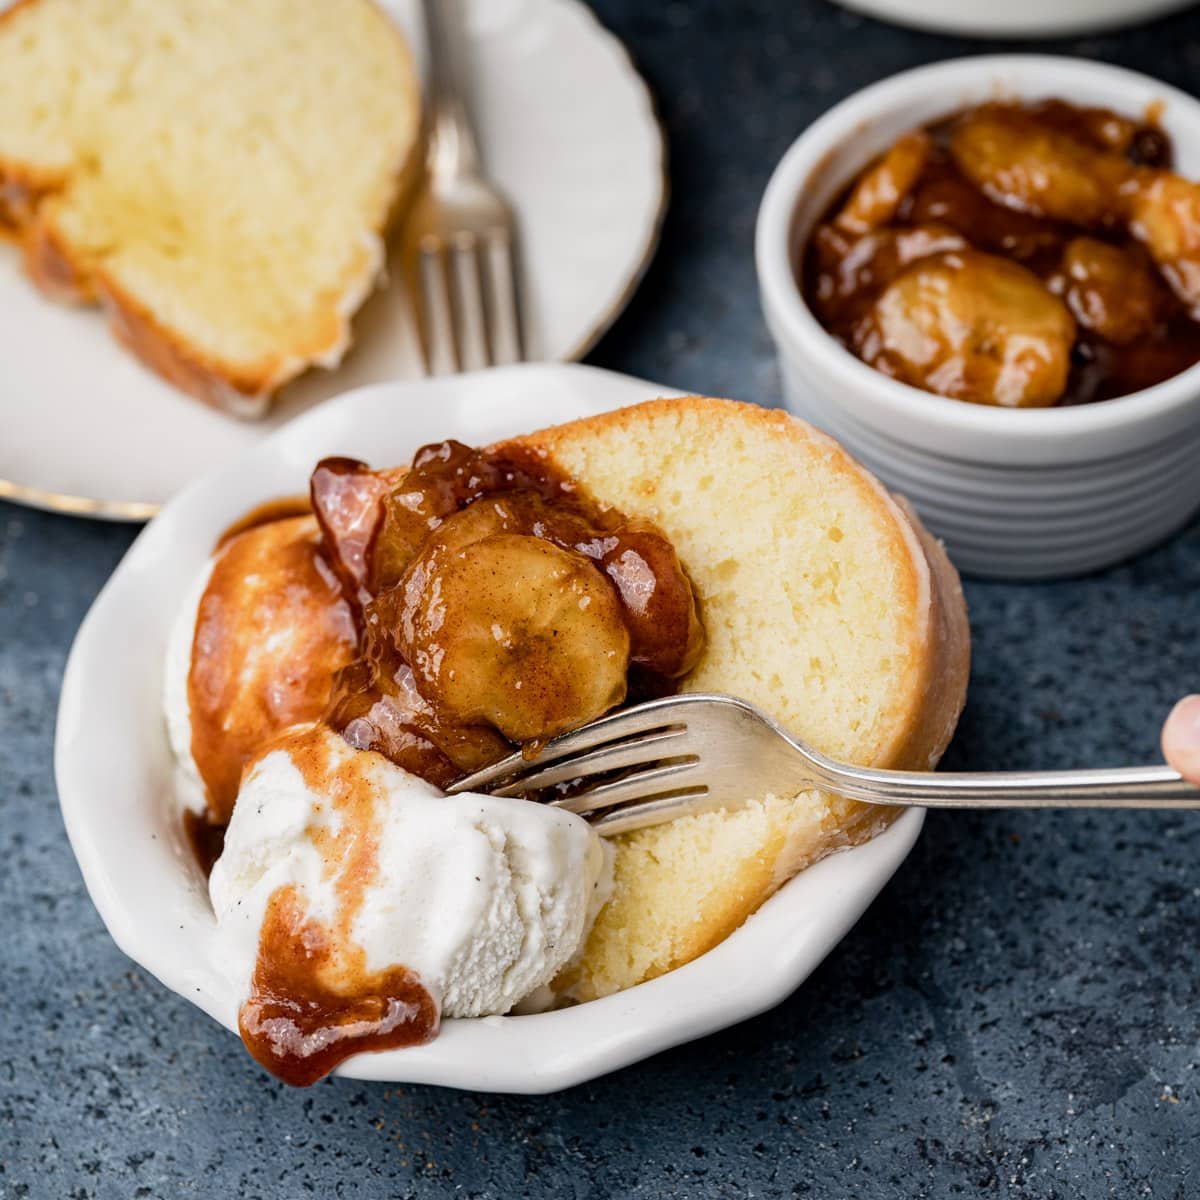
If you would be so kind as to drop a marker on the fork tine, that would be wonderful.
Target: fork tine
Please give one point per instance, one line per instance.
(638, 786)
(655, 811)
(436, 318)
(470, 319)
(614, 728)
(637, 751)
(484, 779)
(502, 297)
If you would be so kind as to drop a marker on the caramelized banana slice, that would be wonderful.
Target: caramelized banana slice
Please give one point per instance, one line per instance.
(442, 477)
(1165, 218)
(1111, 290)
(853, 269)
(509, 512)
(666, 636)
(1017, 161)
(515, 632)
(880, 190)
(347, 498)
(392, 718)
(974, 327)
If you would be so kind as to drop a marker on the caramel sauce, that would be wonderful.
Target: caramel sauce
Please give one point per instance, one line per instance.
(264, 514)
(313, 1001)
(271, 631)
(206, 839)
(298, 1025)
(396, 539)
(422, 613)
(842, 275)
(349, 505)
(341, 589)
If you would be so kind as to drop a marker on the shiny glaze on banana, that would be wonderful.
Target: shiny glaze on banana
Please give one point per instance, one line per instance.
(497, 605)
(1019, 255)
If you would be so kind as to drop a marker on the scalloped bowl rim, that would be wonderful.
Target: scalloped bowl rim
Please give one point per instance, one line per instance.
(110, 758)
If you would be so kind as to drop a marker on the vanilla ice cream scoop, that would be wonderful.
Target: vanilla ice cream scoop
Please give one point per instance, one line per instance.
(483, 899)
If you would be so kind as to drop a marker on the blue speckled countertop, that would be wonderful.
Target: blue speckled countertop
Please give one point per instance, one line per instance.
(1018, 1015)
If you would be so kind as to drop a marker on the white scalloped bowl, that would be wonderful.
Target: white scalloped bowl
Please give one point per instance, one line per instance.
(1017, 493)
(113, 766)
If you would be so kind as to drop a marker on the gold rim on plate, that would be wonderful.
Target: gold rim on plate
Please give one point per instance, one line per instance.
(76, 506)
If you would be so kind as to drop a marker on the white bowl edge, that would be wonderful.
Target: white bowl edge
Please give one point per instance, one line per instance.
(113, 769)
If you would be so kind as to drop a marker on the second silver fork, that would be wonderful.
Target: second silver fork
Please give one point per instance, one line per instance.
(459, 239)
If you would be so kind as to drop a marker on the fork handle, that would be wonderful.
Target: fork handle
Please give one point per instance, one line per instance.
(1118, 787)
(452, 144)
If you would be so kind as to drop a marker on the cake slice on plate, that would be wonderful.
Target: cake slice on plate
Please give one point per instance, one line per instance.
(218, 174)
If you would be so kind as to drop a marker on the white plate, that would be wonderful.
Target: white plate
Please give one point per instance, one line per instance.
(113, 766)
(569, 133)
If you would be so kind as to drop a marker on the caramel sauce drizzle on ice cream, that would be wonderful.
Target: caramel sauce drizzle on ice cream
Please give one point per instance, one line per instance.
(313, 1000)
(271, 630)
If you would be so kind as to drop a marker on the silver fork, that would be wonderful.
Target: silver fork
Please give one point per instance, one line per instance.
(459, 238)
(690, 753)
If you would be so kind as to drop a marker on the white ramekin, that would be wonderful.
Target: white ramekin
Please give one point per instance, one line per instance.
(1015, 493)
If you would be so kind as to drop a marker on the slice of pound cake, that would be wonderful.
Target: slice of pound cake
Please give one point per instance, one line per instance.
(219, 174)
(824, 602)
